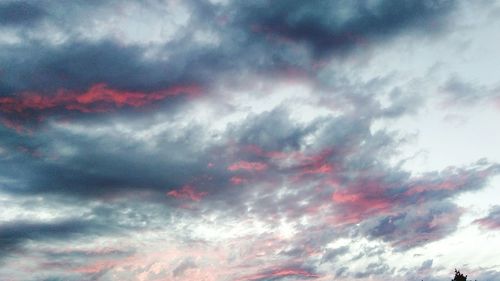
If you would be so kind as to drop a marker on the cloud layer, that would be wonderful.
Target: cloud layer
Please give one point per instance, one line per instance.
(226, 140)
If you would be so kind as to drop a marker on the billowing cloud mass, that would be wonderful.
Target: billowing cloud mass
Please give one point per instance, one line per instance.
(248, 140)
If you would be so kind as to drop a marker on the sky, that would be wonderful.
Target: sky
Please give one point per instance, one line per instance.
(263, 140)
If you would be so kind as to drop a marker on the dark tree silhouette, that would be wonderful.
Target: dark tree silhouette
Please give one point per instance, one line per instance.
(459, 276)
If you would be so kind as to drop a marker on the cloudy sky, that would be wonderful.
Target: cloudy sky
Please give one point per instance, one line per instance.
(236, 140)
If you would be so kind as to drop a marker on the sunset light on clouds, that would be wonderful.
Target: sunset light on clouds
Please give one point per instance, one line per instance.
(259, 140)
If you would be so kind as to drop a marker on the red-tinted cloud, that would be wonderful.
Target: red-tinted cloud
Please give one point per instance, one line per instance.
(238, 180)
(187, 192)
(306, 163)
(247, 166)
(98, 98)
(447, 185)
(354, 206)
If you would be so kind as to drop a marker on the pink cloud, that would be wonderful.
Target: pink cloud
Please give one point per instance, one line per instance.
(247, 166)
(98, 98)
(488, 223)
(238, 180)
(362, 200)
(187, 192)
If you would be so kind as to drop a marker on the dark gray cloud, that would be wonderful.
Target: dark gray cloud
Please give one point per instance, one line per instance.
(14, 234)
(426, 265)
(374, 269)
(85, 254)
(327, 27)
(459, 91)
(20, 13)
(487, 275)
(333, 254)
(79, 64)
(79, 222)
(425, 271)
(341, 271)
(410, 230)
(96, 166)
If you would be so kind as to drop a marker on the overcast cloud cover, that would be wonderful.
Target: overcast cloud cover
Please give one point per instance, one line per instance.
(234, 140)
